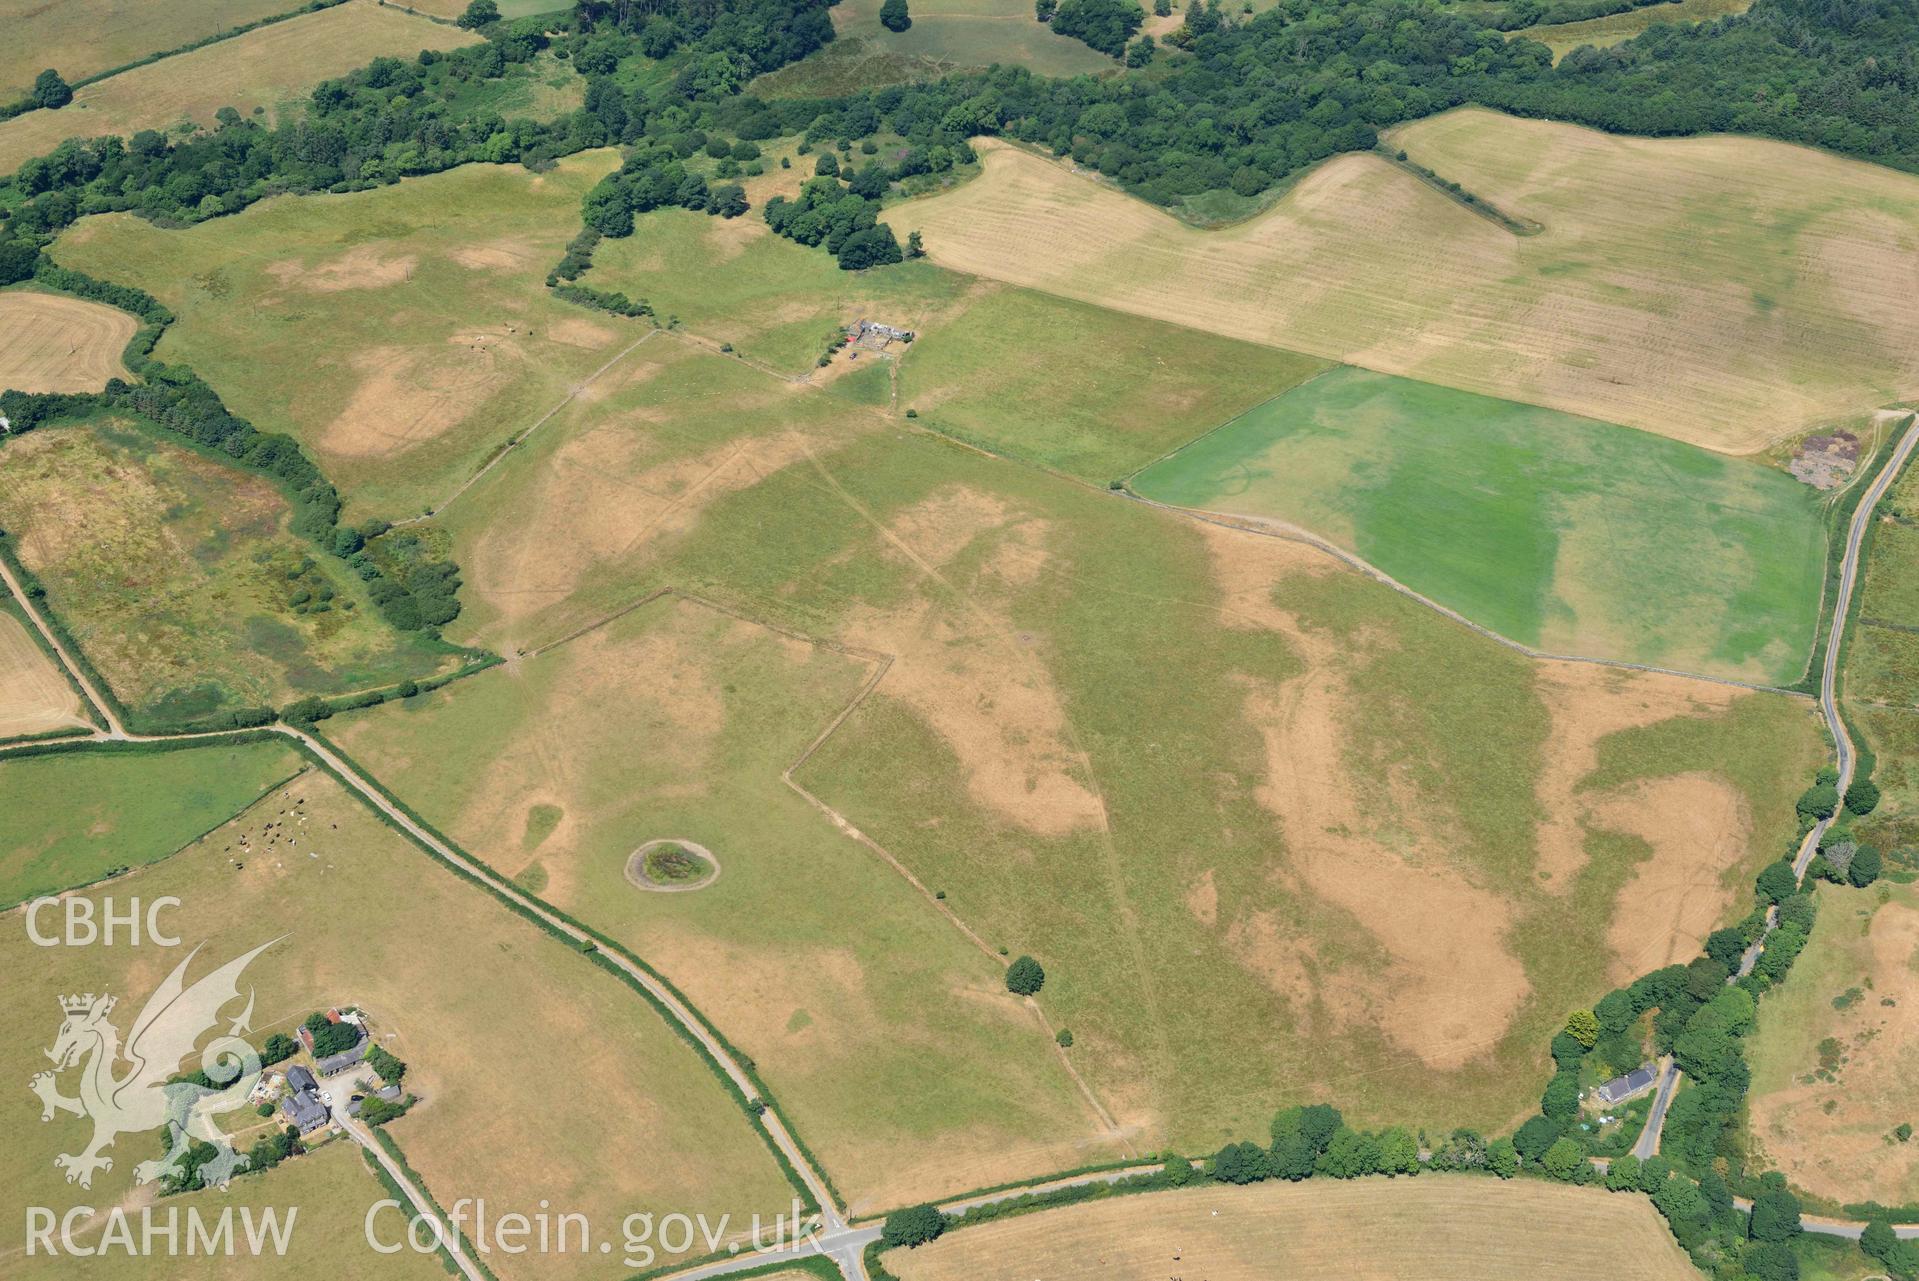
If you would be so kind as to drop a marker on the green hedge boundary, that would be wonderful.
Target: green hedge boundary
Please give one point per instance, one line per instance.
(391, 1147)
(591, 951)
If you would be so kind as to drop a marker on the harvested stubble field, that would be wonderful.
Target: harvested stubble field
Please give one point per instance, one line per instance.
(1391, 852)
(1722, 291)
(1832, 1060)
(894, 1046)
(179, 576)
(120, 810)
(1563, 533)
(1603, 33)
(34, 695)
(85, 37)
(605, 1110)
(49, 342)
(260, 71)
(1427, 1229)
(416, 315)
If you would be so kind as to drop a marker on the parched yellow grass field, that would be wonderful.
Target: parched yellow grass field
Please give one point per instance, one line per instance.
(85, 37)
(1722, 291)
(34, 697)
(1832, 1064)
(261, 69)
(49, 342)
(1435, 1228)
(542, 1079)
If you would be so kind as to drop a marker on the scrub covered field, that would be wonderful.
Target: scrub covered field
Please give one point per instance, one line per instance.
(582, 1070)
(1436, 1226)
(1832, 1060)
(262, 71)
(53, 343)
(120, 809)
(1570, 535)
(181, 581)
(1723, 291)
(416, 315)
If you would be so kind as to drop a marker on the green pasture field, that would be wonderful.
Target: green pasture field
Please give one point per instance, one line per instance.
(1196, 912)
(178, 576)
(733, 281)
(514, 1041)
(947, 35)
(848, 65)
(73, 817)
(416, 317)
(1603, 33)
(893, 1045)
(1567, 534)
(1092, 392)
(1882, 649)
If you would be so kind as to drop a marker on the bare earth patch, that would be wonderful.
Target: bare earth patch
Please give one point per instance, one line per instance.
(49, 342)
(364, 267)
(408, 396)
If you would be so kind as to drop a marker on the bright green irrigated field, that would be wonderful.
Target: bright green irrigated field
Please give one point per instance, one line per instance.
(72, 818)
(414, 317)
(1603, 33)
(182, 581)
(515, 1042)
(1564, 533)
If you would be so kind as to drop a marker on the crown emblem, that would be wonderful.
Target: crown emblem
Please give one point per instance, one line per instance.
(83, 1004)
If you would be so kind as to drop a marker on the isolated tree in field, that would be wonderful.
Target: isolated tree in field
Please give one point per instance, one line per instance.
(913, 1227)
(1025, 977)
(915, 247)
(1862, 797)
(1583, 1027)
(50, 91)
(479, 14)
(894, 17)
(1865, 866)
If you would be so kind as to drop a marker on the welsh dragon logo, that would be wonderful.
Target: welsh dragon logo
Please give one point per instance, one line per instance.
(143, 1097)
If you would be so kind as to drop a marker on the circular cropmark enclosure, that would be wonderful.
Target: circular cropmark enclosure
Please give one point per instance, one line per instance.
(672, 866)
